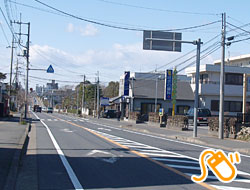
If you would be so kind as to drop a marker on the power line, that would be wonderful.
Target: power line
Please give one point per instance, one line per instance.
(4, 34)
(157, 9)
(114, 26)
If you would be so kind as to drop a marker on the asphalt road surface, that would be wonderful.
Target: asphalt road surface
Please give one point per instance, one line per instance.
(80, 153)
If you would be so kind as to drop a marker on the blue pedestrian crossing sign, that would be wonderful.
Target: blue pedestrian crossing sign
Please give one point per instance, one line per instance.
(50, 69)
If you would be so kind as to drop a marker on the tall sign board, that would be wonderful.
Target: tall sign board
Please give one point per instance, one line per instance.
(126, 83)
(162, 41)
(168, 85)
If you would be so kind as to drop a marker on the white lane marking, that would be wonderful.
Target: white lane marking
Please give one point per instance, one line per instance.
(228, 188)
(42, 119)
(104, 129)
(175, 160)
(65, 162)
(66, 130)
(243, 173)
(242, 180)
(166, 139)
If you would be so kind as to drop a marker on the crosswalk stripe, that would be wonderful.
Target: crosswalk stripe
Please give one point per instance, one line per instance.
(184, 167)
(228, 188)
(175, 160)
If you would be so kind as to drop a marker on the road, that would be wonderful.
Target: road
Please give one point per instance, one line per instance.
(79, 153)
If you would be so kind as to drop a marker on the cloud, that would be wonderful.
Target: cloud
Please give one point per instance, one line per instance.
(70, 28)
(111, 63)
(88, 30)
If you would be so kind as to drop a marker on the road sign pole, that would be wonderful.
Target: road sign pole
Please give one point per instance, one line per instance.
(197, 76)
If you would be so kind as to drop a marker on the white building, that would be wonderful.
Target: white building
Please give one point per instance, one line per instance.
(209, 89)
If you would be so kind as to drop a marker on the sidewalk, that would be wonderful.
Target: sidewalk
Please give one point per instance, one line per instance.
(12, 138)
(204, 138)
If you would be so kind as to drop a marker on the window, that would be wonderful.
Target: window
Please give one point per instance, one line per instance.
(204, 78)
(182, 109)
(149, 107)
(229, 106)
(214, 105)
(234, 79)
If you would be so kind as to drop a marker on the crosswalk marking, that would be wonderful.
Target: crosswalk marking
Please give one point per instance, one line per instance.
(173, 160)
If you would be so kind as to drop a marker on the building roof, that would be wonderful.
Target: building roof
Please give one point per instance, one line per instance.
(146, 89)
(216, 68)
(236, 58)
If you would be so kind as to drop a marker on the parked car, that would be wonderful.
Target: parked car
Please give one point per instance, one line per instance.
(44, 109)
(202, 116)
(39, 109)
(109, 114)
(50, 110)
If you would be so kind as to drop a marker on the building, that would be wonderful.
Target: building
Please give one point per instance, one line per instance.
(209, 89)
(140, 92)
(240, 61)
(39, 90)
(4, 110)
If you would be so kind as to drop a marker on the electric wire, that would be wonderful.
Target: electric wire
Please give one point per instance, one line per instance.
(118, 27)
(4, 34)
(157, 9)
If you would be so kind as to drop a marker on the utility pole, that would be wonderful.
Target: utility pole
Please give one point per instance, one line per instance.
(27, 73)
(98, 95)
(26, 54)
(17, 88)
(244, 96)
(11, 64)
(95, 99)
(156, 92)
(83, 93)
(197, 77)
(222, 71)
(77, 100)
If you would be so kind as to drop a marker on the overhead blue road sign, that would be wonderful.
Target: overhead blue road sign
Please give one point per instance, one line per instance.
(50, 69)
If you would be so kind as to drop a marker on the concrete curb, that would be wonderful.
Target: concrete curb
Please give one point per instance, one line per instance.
(13, 170)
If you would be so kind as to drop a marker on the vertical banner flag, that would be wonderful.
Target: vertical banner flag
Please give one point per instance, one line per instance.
(168, 84)
(126, 83)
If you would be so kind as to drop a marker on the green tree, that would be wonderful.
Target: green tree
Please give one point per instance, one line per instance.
(112, 90)
(2, 76)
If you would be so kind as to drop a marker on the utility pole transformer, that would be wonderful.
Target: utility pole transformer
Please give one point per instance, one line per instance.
(222, 77)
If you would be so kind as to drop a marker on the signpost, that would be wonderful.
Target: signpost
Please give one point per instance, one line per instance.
(50, 69)
(168, 85)
(161, 114)
(104, 101)
(162, 41)
(126, 83)
(171, 41)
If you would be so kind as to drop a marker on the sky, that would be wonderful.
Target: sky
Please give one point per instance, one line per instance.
(75, 47)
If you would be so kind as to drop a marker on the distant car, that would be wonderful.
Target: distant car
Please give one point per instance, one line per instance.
(109, 114)
(38, 109)
(44, 109)
(202, 116)
(50, 110)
